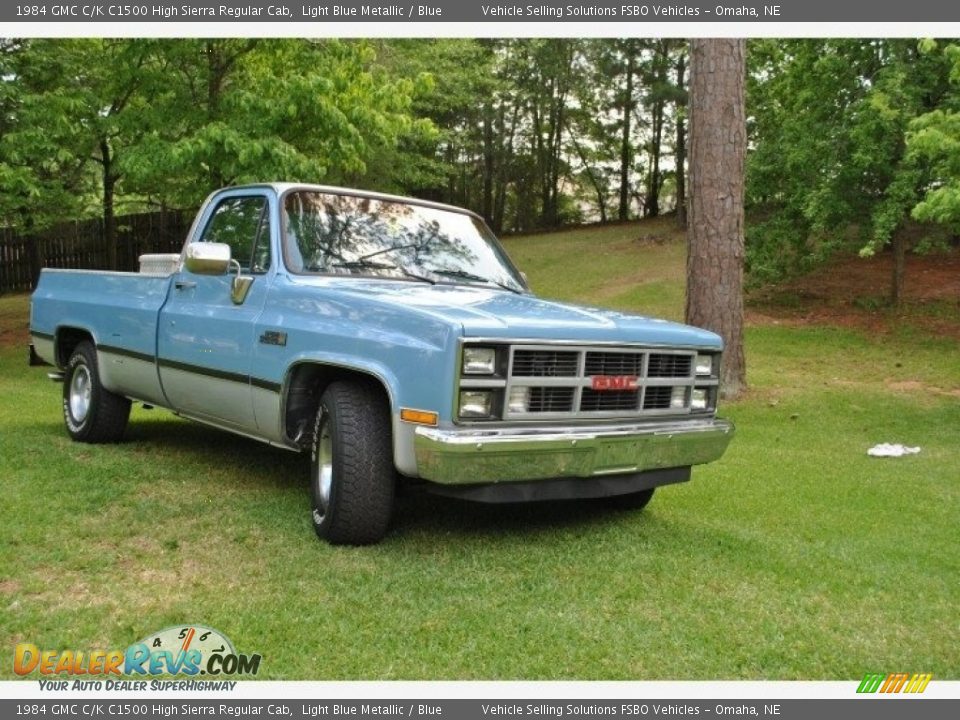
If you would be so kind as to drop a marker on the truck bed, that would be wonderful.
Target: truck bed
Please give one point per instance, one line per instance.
(118, 309)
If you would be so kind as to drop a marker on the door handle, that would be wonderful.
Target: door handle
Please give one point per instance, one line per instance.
(184, 284)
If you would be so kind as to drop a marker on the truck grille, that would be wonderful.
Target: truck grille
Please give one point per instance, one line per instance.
(611, 363)
(550, 399)
(657, 398)
(547, 382)
(545, 363)
(619, 400)
(663, 365)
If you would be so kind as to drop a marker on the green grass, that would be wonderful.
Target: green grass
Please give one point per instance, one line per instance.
(794, 557)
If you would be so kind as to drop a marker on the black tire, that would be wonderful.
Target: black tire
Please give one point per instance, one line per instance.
(352, 478)
(635, 501)
(91, 413)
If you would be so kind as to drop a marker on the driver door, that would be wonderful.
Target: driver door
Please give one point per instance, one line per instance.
(205, 340)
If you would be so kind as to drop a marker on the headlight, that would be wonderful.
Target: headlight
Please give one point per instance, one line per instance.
(704, 364)
(678, 398)
(476, 403)
(479, 361)
(698, 401)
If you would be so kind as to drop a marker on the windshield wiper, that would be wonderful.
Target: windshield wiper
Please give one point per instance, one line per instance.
(417, 276)
(362, 263)
(465, 275)
(408, 246)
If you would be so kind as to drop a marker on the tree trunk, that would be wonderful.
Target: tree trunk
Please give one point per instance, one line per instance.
(626, 156)
(715, 230)
(109, 218)
(681, 150)
(899, 266)
(488, 162)
(651, 208)
(502, 179)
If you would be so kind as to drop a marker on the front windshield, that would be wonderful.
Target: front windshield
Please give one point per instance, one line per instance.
(346, 234)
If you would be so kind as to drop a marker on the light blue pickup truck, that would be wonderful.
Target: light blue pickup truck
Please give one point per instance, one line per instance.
(392, 338)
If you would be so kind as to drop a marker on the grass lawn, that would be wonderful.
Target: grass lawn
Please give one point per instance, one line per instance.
(794, 557)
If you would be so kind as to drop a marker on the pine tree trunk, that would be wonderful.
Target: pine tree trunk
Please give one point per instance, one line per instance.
(488, 158)
(626, 155)
(715, 222)
(681, 150)
(651, 207)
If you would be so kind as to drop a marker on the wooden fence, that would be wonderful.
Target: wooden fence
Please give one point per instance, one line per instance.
(81, 245)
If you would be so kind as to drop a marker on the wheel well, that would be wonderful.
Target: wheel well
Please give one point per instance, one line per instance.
(66, 342)
(306, 384)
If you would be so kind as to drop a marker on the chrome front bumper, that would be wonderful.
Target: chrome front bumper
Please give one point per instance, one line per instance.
(467, 456)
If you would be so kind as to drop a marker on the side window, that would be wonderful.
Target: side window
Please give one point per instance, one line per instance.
(243, 223)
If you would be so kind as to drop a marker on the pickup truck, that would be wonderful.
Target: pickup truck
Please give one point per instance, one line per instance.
(390, 338)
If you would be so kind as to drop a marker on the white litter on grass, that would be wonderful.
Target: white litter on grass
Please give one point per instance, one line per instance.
(892, 450)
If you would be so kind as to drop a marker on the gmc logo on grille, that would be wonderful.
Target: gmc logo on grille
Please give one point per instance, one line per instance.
(613, 382)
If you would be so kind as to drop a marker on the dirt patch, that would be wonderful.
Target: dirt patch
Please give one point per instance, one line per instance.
(916, 387)
(854, 291)
(14, 337)
(14, 322)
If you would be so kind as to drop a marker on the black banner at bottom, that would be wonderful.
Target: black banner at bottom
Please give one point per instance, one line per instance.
(874, 708)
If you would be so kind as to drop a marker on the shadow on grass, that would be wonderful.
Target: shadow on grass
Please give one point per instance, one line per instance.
(217, 449)
(266, 490)
(420, 512)
(417, 511)
(221, 462)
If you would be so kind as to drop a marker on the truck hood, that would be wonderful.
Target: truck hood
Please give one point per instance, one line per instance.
(495, 313)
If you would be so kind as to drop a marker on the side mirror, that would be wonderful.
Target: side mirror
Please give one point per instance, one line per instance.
(207, 258)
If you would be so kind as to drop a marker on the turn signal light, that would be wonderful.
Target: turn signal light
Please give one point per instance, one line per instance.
(421, 417)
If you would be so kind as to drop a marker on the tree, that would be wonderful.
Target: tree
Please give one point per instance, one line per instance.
(830, 169)
(245, 110)
(45, 152)
(933, 141)
(715, 223)
(680, 146)
(659, 91)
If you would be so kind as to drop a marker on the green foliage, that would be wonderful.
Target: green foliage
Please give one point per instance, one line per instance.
(934, 140)
(166, 121)
(528, 132)
(249, 110)
(829, 121)
(43, 144)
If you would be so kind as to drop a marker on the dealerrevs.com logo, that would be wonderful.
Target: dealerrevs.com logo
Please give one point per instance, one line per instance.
(190, 650)
(889, 683)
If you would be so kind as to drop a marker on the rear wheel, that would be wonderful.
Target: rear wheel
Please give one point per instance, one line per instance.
(91, 413)
(352, 478)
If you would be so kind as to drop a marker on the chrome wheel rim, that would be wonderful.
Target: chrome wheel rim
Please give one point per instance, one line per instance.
(324, 468)
(80, 388)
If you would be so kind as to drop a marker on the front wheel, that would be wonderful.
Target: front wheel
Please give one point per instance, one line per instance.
(91, 413)
(352, 478)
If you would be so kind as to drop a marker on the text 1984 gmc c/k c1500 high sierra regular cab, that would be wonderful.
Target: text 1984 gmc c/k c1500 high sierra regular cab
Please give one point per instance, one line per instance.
(384, 335)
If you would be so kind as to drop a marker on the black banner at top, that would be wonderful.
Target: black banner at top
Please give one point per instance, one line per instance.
(473, 11)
